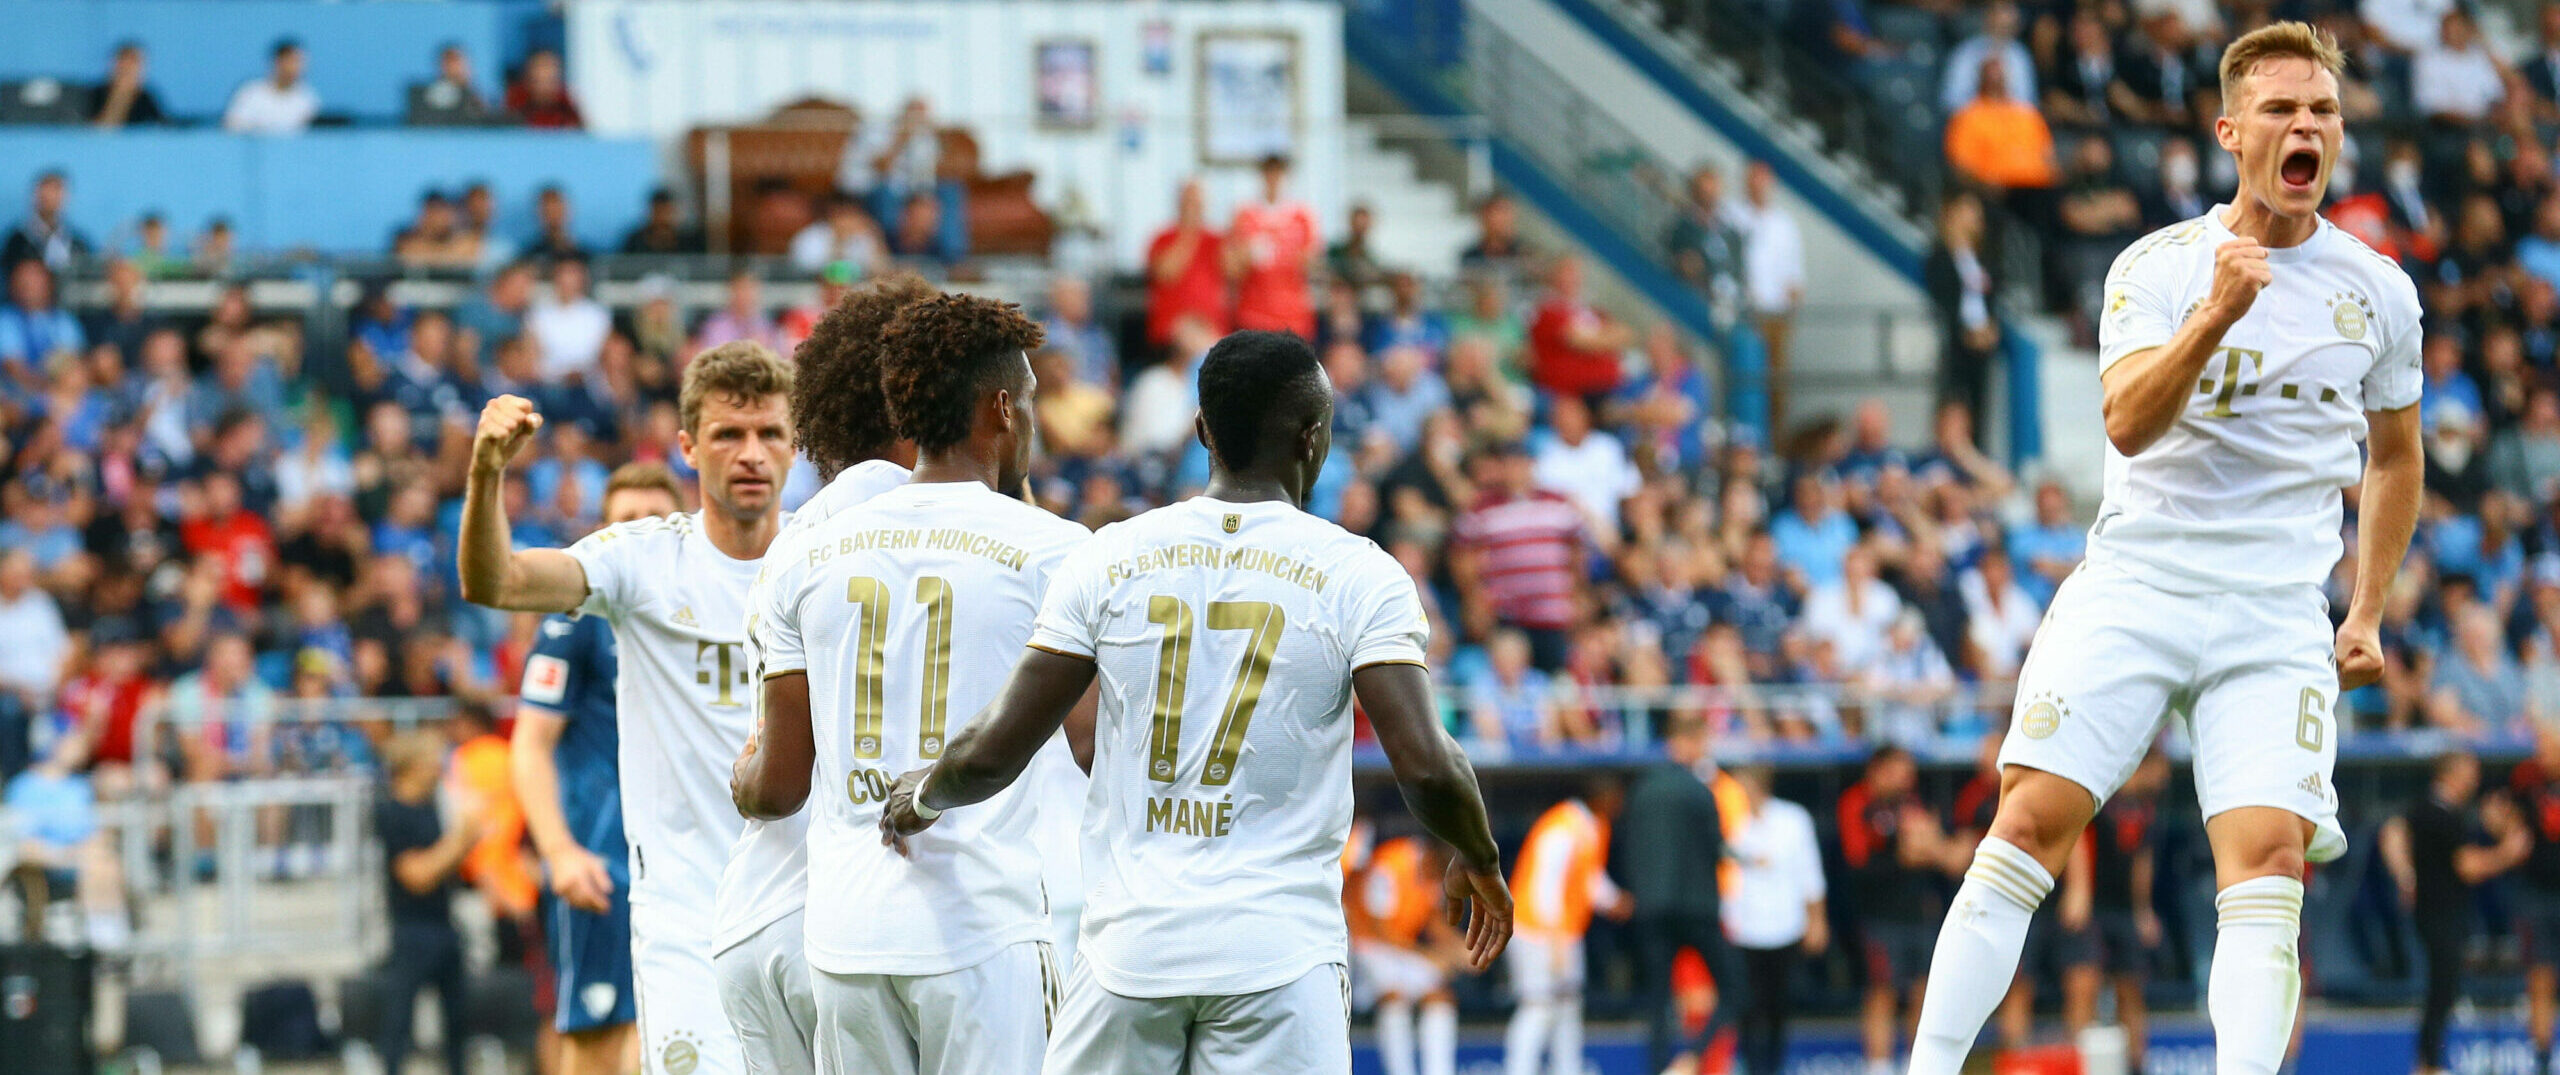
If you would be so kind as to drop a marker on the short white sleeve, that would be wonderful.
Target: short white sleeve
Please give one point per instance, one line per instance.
(608, 558)
(2138, 314)
(773, 622)
(1071, 612)
(1386, 622)
(1807, 856)
(2396, 378)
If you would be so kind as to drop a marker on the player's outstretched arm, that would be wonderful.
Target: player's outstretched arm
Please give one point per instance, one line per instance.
(770, 779)
(1440, 788)
(2395, 478)
(493, 572)
(988, 755)
(2148, 389)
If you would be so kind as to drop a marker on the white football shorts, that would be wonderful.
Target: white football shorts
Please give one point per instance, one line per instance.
(1302, 1028)
(683, 1029)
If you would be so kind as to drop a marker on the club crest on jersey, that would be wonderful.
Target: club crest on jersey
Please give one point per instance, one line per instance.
(2350, 314)
(681, 1055)
(2044, 716)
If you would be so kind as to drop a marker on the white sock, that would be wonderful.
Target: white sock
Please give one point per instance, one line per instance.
(1395, 1036)
(1874, 1067)
(1977, 953)
(1568, 1039)
(1440, 1037)
(2257, 974)
(1525, 1043)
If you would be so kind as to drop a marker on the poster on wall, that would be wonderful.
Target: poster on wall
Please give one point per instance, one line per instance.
(1063, 80)
(1247, 101)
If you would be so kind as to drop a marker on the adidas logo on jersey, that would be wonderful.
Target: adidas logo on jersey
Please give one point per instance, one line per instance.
(684, 616)
(2312, 784)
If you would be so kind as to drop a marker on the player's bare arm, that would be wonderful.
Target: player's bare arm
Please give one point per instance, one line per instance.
(493, 572)
(578, 877)
(1440, 788)
(989, 755)
(771, 776)
(2394, 482)
(2148, 389)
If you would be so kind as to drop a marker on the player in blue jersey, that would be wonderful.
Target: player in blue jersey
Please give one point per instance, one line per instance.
(569, 779)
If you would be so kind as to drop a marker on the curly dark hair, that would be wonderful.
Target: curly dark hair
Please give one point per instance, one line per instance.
(837, 407)
(939, 355)
(1255, 383)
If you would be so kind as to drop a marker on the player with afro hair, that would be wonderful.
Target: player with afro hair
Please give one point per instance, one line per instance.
(942, 355)
(837, 406)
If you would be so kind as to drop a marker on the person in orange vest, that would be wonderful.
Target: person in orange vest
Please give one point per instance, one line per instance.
(1560, 881)
(1402, 951)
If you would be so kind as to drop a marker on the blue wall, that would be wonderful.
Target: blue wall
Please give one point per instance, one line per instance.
(332, 190)
(362, 55)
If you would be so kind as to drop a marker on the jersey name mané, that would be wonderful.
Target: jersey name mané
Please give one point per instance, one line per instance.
(907, 614)
(2242, 492)
(1224, 636)
(678, 609)
(768, 872)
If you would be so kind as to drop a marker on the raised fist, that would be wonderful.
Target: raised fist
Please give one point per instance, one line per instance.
(505, 425)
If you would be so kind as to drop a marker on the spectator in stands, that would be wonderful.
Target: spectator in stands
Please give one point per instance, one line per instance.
(1706, 249)
(1668, 854)
(2164, 79)
(33, 329)
(498, 314)
(1405, 394)
(1186, 270)
(54, 809)
(124, 98)
(1961, 292)
(436, 240)
(1350, 259)
(1997, 41)
(1075, 415)
(2478, 689)
(1516, 554)
(422, 859)
(1574, 347)
(539, 97)
(567, 324)
(1155, 419)
(1071, 329)
(214, 248)
(843, 233)
(2404, 26)
(743, 318)
(2177, 195)
(1839, 36)
(1999, 141)
(2438, 866)
(2077, 88)
(2100, 215)
(555, 239)
(480, 217)
(1909, 685)
(2000, 616)
(452, 97)
(2541, 74)
(1588, 466)
(46, 235)
(1814, 535)
(151, 248)
(887, 164)
(1513, 708)
(279, 102)
(1498, 248)
(2454, 79)
(32, 664)
(1668, 406)
(1271, 244)
(1852, 612)
(125, 321)
(1773, 273)
(664, 230)
(2524, 459)
(2052, 545)
(1408, 322)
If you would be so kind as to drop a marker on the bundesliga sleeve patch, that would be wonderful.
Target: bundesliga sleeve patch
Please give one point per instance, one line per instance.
(546, 680)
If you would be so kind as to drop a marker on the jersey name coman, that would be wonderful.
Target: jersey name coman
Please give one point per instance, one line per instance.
(907, 614)
(678, 609)
(2242, 491)
(1225, 636)
(768, 872)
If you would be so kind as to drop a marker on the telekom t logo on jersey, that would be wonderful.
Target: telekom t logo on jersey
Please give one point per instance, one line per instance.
(718, 665)
(2240, 369)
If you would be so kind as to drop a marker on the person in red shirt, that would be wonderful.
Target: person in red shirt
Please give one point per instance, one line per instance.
(540, 95)
(104, 702)
(1573, 348)
(238, 539)
(1186, 271)
(1269, 247)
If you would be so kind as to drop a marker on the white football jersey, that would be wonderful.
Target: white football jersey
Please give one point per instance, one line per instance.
(768, 872)
(1225, 636)
(678, 609)
(2242, 491)
(907, 614)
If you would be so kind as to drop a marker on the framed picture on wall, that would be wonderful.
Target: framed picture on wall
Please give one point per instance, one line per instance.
(1063, 78)
(1247, 99)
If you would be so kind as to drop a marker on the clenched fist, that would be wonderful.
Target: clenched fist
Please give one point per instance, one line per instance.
(2239, 272)
(505, 425)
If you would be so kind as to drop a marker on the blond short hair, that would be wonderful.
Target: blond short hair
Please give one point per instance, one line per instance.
(741, 370)
(2278, 41)
(644, 476)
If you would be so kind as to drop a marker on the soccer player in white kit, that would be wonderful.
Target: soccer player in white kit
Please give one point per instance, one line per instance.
(1230, 633)
(841, 421)
(2244, 354)
(882, 632)
(674, 588)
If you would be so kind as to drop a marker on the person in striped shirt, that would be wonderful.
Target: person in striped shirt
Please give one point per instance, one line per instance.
(1518, 554)
(1561, 879)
